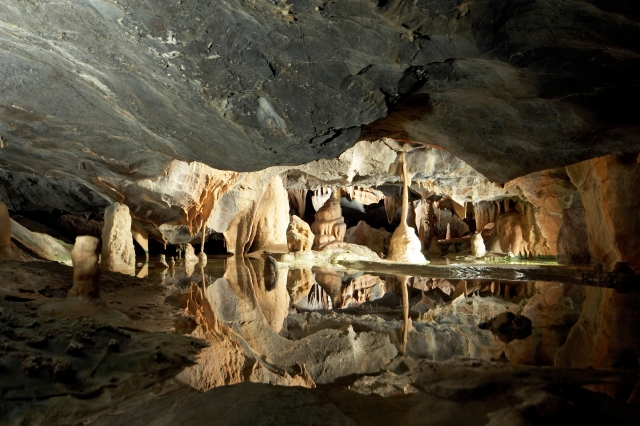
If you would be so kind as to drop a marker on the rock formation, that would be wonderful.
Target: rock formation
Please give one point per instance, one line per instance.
(298, 200)
(118, 253)
(202, 258)
(299, 235)
(86, 271)
(404, 245)
(611, 199)
(364, 235)
(478, 248)
(272, 217)
(573, 238)
(434, 247)
(190, 253)
(329, 225)
(161, 262)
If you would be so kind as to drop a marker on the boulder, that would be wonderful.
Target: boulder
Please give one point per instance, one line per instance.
(364, 235)
(299, 235)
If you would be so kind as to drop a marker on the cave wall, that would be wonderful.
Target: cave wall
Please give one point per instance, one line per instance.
(608, 186)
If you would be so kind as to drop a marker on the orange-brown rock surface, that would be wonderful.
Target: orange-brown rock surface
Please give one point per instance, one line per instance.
(611, 199)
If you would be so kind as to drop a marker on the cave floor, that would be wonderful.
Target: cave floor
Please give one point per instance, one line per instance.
(357, 343)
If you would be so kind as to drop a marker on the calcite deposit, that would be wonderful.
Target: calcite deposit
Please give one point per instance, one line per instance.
(118, 253)
(299, 235)
(329, 225)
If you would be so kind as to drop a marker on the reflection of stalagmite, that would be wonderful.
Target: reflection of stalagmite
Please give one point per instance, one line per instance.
(299, 235)
(331, 282)
(118, 253)
(405, 245)
(406, 321)
(329, 225)
(6, 252)
(86, 273)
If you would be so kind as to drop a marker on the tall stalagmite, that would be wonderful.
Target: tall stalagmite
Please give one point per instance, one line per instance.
(405, 245)
(118, 253)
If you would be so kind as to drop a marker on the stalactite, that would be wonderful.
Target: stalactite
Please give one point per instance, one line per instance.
(298, 199)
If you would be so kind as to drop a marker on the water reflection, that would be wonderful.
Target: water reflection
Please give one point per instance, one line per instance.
(307, 326)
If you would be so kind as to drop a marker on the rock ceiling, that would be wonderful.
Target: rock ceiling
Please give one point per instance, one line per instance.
(103, 91)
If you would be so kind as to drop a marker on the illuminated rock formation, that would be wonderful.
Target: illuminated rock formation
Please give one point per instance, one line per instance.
(298, 200)
(118, 253)
(161, 262)
(610, 195)
(405, 245)
(202, 258)
(190, 254)
(478, 248)
(329, 225)
(86, 272)
(320, 197)
(272, 217)
(364, 235)
(299, 235)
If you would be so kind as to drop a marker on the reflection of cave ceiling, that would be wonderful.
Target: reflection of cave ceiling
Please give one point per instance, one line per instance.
(98, 89)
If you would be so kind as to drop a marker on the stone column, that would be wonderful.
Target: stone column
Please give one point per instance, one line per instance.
(118, 253)
(86, 273)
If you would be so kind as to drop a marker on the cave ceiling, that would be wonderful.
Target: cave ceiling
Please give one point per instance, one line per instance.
(98, 89)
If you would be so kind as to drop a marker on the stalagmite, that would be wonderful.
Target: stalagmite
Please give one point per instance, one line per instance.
(477, 245)
(329, 225)
(86, 272)
(172, 262)
(162, 262)
(434, 248)
(406, 321)
(190, 254)
(202, 258)
(299, 235)
(448, 235)
(118, 253)
(6, 252)
(405, 245)
(272, 218)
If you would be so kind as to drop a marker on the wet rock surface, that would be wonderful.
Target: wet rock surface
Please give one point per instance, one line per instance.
(235, 326)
